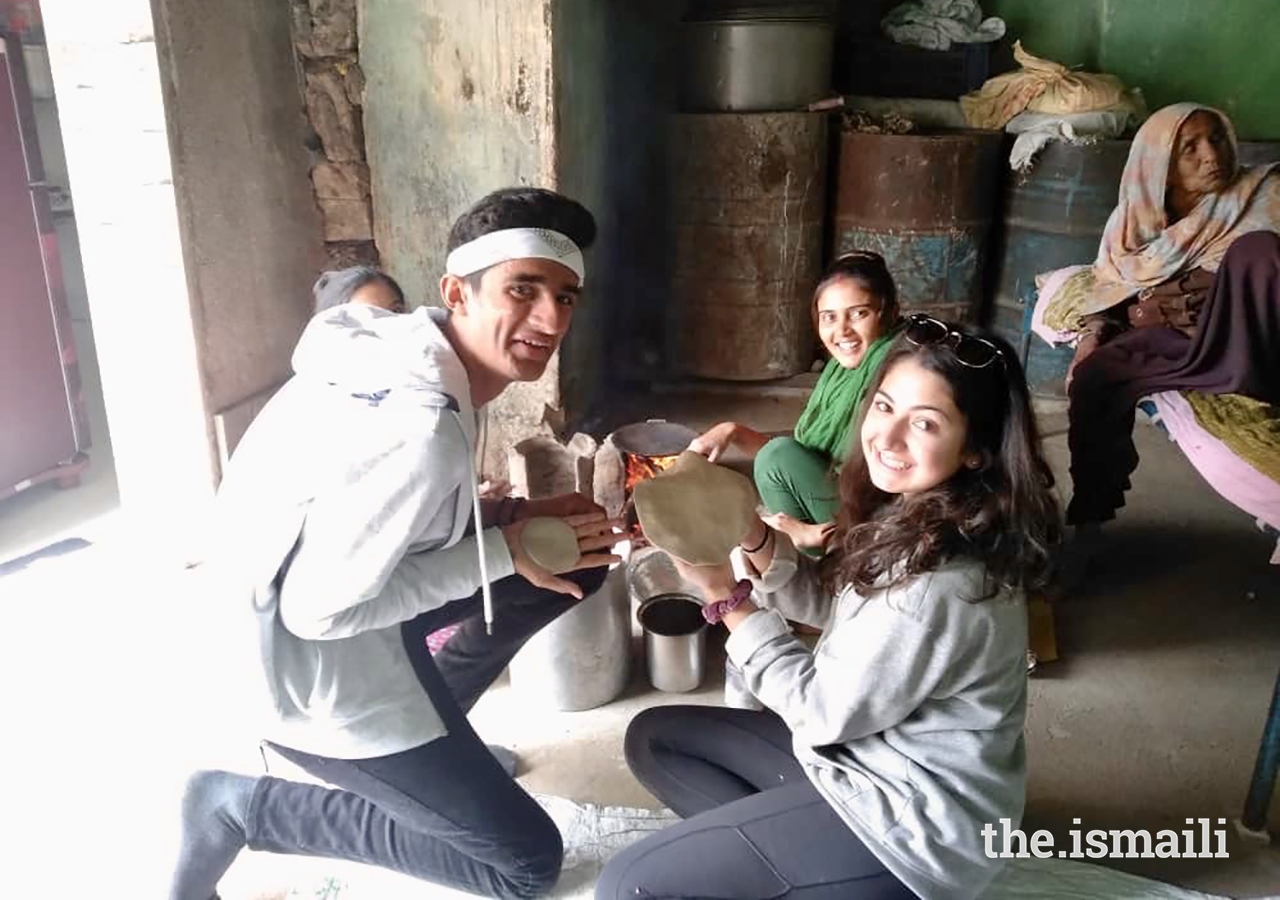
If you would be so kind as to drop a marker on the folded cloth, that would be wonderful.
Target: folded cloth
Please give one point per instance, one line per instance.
(1239, 483)
(1059, 293)
(1035, 131)
(1249, 427)
(937, 24)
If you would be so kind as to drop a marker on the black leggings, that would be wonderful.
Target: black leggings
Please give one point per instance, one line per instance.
(756, 828)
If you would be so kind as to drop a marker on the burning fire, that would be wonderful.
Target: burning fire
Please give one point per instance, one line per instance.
(640, 468)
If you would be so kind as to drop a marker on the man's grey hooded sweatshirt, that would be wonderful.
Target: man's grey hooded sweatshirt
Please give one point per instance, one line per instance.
(341, 515)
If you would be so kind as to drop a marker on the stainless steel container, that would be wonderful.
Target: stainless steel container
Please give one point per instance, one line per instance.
(583, 659)
(675, 641)
(755, 65)
(651, 572)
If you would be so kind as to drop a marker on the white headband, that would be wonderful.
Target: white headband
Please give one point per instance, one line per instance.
(515, 243)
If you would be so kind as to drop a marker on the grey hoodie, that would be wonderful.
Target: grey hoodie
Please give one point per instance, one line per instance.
(341, 515)
(908, 714)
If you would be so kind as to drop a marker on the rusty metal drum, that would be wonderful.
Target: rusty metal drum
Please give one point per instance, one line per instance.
(925, 202)
(1051, 217)
(748, 194)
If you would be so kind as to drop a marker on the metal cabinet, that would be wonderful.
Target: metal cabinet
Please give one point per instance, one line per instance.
(43, 430)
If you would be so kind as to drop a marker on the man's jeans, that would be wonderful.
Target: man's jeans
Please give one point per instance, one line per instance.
(444, 811)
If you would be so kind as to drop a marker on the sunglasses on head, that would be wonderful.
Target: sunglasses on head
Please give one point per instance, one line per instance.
(971, 351)
(860, 254)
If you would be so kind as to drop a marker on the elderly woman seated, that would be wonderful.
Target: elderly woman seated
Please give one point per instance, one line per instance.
(1184, 296)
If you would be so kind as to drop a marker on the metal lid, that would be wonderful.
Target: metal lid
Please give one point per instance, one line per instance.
(656, 437)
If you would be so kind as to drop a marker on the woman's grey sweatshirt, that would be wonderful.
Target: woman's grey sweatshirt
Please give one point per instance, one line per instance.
(343, 513)
(908, 714)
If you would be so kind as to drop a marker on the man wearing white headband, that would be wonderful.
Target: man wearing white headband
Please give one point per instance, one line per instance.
(349, 516)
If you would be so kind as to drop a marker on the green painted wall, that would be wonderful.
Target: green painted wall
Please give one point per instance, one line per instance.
(1225, 53)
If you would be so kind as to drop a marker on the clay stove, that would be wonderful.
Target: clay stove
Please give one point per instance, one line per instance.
(632, 454)
(608, 472)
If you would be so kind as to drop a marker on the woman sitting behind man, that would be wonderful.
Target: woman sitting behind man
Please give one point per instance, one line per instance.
(884, 751)
(358, 284)
(1185, 295)
(855, 312)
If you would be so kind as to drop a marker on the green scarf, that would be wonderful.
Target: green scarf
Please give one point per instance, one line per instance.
(824, 425)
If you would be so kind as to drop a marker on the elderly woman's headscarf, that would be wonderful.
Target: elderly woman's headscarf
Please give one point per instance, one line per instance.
(336, 287)
(1140, 248)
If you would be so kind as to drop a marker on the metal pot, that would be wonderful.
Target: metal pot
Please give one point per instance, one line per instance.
(755, 65)
(675, 641)
(583, 659)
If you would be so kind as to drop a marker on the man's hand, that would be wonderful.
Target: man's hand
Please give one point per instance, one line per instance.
(494, 488)
(562, 507)
(595, 533)
(715, 442)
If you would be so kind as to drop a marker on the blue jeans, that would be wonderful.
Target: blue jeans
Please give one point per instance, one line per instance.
(444, 811)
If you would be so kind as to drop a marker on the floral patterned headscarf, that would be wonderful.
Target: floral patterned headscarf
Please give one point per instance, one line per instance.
(1140, 248)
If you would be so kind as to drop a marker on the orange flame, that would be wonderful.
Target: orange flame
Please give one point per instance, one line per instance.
(638, 469)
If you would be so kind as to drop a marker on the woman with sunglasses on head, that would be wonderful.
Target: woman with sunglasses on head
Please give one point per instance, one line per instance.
(855, 312)
(884, 751)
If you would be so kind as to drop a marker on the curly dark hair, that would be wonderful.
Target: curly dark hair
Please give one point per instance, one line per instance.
(1002, 513)
(867, 269)
(524, 207)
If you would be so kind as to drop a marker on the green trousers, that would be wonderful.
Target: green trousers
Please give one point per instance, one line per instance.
(795, 480)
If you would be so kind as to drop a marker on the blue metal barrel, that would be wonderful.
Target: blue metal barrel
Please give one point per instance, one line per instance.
(1052, 216)
(1255, 153)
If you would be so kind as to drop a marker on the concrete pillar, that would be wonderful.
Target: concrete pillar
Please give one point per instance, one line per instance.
(458, 102)
(567, 94)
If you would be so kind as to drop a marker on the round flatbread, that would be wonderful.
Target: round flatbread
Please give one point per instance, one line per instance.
(551, 543)
(697, 511)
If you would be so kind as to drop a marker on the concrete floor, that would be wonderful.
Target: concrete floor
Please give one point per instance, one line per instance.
(1169, 658)
(1152, 716)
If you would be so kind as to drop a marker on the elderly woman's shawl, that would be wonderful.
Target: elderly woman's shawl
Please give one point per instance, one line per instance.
(1139, 248)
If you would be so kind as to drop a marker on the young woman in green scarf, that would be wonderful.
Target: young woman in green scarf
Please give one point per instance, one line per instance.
(855, 312)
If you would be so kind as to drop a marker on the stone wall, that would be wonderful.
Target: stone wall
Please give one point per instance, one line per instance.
(333, 85)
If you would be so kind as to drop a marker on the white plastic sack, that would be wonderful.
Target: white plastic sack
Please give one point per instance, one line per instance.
(1036, 130)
